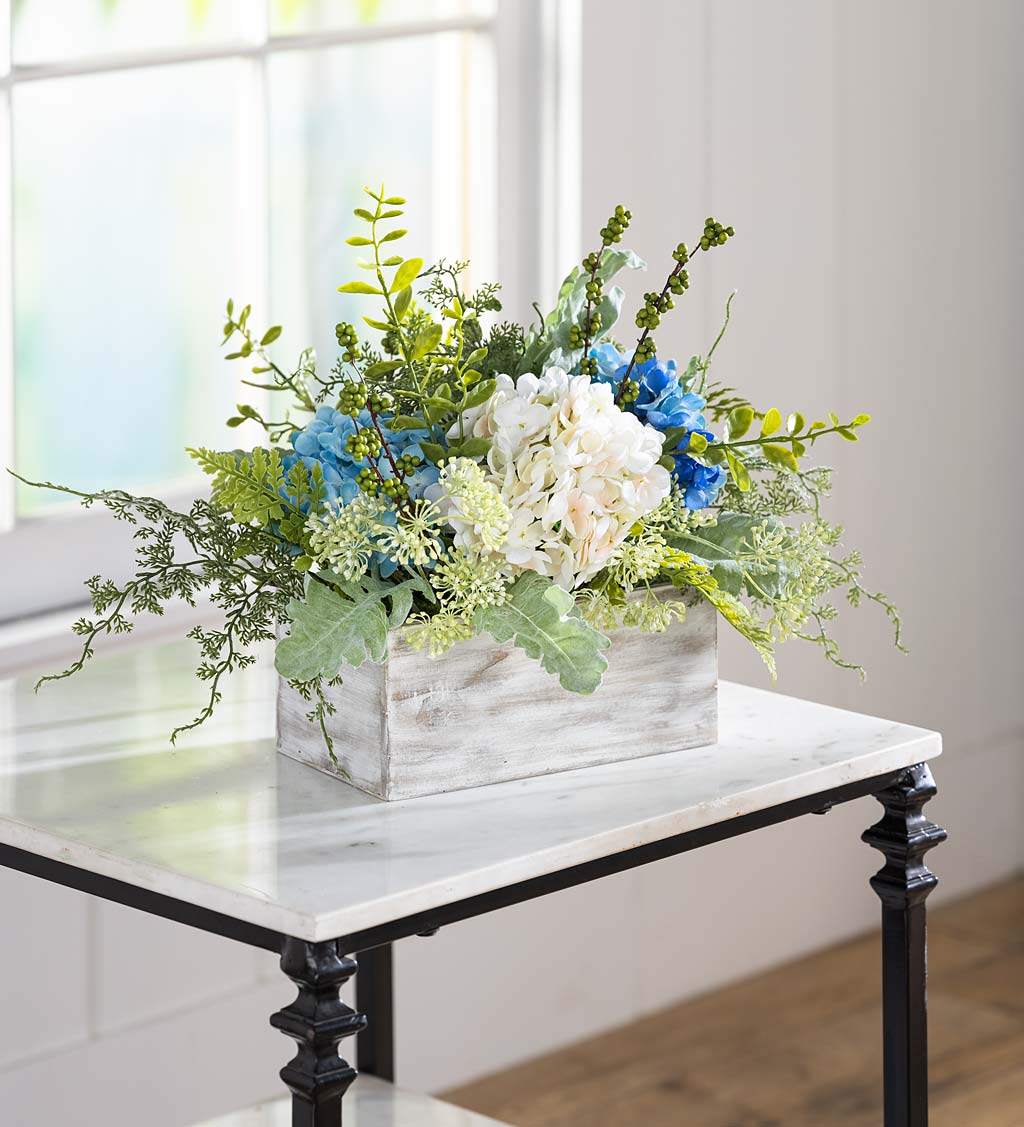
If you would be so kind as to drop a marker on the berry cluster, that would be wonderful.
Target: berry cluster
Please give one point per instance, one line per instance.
(348, 341)
(365, 443)
(655, 304)
(352, 398)
(612, 231)
(379, 401)
(581, 336)
(677, 283)
(367, 481)
(629, 390)
(577, 337)
(714, 234)
(394, 489)
(646, 349)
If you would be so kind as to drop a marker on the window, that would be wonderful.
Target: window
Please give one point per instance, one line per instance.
(156, 159)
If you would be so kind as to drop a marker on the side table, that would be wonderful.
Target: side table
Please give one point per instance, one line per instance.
(332, 877)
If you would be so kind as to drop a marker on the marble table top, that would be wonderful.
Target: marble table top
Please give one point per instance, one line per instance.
(87, 777)
(368, 1103)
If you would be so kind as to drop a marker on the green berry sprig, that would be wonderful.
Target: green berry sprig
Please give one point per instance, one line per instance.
(379, 401)
(656, 305)
(714, 234)
(646, 350)
(352, 398)
(363, 444)
(367, 481)
(394, 489)
(348, 340)
(611, 233)
(629, 391)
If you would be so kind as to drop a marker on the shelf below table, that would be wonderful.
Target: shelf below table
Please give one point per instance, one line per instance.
(368, 1103)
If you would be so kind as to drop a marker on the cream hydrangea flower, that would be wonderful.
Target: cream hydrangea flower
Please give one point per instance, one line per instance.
(574, 470)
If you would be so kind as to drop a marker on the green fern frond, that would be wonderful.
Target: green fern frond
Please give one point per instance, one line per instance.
(250, 486)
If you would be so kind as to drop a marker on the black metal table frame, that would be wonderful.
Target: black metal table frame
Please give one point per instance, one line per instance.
(318, 1019)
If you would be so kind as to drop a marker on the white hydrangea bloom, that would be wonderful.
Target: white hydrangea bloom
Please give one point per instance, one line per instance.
(575, 471)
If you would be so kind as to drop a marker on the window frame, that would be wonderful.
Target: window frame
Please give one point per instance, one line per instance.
(536, 51)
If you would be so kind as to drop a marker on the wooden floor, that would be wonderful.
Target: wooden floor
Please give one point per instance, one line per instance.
(800, 1046)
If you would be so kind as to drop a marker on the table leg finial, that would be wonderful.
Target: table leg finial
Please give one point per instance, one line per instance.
(904, 835)
(317, 1020)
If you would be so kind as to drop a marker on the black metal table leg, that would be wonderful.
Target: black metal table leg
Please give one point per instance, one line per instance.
(317, 1020)
(375, 999)
(904, 835)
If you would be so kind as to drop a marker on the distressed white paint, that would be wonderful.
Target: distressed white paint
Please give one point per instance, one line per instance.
(234, 826)
(486, 713)
(368, 1103)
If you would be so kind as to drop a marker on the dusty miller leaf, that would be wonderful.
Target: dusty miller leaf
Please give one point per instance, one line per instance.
(550, 345)
(541, 618)
(342, 624)
(719, 546)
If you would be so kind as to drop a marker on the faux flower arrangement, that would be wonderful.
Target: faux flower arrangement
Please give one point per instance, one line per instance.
(444, 479)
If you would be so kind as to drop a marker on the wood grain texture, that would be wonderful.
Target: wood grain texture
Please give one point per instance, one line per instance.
(799, 1046)
(486, 713)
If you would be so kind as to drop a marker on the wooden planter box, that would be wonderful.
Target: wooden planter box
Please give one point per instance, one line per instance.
(486, 713)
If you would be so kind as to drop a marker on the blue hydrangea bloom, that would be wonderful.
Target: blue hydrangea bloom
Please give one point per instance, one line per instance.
(663, 403)
(700, 484)
(323, 440)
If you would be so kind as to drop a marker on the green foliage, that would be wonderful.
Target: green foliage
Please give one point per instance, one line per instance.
(683, 571)
(443, 289)
(778, 492)
(248, 485)
(306, 489)
(726, 550)
(551, 344)
(782, 448)
(543, 620)
(342, 622)
(268, 550)
(312, 692)
(506, 344)
(244, 570)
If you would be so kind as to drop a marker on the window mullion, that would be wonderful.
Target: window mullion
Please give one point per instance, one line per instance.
(252, 238)
(6, 311)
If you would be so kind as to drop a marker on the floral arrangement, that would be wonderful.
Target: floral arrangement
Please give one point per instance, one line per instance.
(541, 484)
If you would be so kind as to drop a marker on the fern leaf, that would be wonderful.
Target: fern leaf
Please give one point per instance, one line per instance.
(251, 486)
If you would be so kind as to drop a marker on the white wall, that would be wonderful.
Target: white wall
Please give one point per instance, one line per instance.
(869, 156)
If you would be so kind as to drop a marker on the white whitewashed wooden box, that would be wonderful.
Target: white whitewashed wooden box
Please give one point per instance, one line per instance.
(485, 712)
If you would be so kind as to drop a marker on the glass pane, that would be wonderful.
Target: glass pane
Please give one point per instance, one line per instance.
(341, 118)
(51, 30)
(287, 17)
(130, 234)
